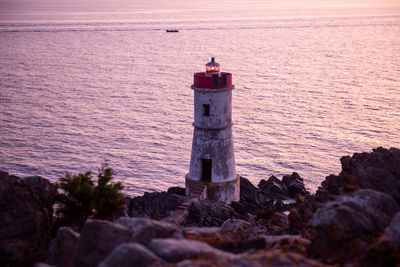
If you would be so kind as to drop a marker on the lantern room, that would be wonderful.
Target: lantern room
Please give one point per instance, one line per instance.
(212, 67)
(212, 78)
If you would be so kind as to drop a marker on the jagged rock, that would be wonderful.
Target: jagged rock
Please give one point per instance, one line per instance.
(143, 230)
(251, 198)
(237, 229)
(385, 251)
(98, 239)
(294, 184)
(379, 170)
(392, 232)
(258, 258)
(12, 252)
(25, 208)
(131, 254)
(341, 229)
(274, 188)
(174, 250)
(154, 205)
(208, 213)
(63, 247)
(26, 218)
(176, 190)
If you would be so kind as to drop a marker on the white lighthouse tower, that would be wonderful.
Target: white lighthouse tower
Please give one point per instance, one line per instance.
(212, 174)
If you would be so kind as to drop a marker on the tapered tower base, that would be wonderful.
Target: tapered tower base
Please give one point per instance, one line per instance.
(226, 192)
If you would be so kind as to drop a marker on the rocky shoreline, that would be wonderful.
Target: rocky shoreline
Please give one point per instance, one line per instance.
(353, 219)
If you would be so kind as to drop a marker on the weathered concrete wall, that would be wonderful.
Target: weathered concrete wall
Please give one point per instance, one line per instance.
(220, 101)
(218, 146)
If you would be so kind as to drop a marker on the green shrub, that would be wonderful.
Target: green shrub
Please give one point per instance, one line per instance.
(78, 198)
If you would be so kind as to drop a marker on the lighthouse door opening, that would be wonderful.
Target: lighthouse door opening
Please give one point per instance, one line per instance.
(206, 166)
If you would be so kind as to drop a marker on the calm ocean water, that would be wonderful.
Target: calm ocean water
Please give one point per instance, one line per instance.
(83, 85)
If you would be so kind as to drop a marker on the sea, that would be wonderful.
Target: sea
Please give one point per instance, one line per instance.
(87, 82)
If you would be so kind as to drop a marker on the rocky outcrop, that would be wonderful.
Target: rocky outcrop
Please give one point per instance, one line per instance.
(341, 229)
(156, 205)
(26, 217)
(63, 247)
(378, 170)
(173, 250)
(208, 213)
(251, 198)
(131, 254)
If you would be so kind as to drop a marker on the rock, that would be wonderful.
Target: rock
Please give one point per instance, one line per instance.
(154, 205)
(14, 252)
(174, 250)
(210, 235)
(63, 247)
(274, 188)
(256, 258)
(143, 230)
(208, 213)
(98, 239)
(131, 254)
(177, 191)
(392, 232)
(294, 184)
(251, 198)
(237, 229)
(379, 170)
(42, 264)
(341, 229)
(25, 209)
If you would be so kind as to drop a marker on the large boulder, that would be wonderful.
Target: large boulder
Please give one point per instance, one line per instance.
(385, 251)
(131, 254)
(208, 213)
(26, 208)
(98, 239)
(63, 247)
(156, 205)
(341, 229)
(379, 170)
(143, 230)
(26, 218)
(174, 250)
(271, 258)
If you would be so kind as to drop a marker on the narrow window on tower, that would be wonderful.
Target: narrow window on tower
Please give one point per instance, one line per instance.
(206, 110)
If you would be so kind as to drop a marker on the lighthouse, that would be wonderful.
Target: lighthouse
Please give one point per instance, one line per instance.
(212, 173)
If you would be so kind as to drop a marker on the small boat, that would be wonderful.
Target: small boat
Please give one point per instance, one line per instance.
(172, 30)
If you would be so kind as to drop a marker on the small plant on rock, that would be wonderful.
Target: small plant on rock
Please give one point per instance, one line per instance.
(78, 198)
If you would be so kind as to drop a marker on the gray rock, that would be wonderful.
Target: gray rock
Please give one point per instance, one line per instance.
(379, 170)
(238, 229)
(294, 184)
(130, 254)
(173, 250)
(143, 230)
(256, 258)
(43, 264)
(342, 228)
(25, 209)
(63, 247)
(12, 252)
(98, 239)
(208, 213)
(156, 205)
(392, 232)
